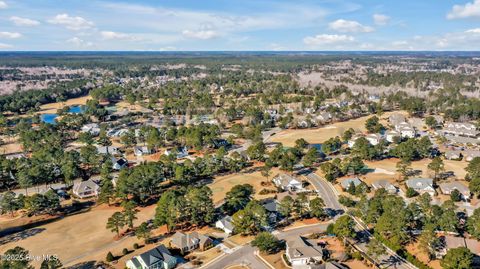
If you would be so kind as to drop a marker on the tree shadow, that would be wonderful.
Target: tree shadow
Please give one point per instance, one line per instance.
(20, 235)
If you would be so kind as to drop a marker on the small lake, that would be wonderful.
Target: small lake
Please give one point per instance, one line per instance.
(50, 117)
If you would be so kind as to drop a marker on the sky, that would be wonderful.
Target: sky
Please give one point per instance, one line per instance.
(242, 25)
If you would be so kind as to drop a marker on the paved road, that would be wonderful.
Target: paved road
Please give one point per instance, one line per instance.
(330, 196)
(324, 191)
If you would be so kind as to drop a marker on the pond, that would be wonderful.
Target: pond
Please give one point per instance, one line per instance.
(50, 117)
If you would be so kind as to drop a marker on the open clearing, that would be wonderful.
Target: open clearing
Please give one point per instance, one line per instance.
(320, 135)
(221, 185)
(78, 238)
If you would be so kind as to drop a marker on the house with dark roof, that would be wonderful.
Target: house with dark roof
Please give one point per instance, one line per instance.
(159, 257)
(189, 242)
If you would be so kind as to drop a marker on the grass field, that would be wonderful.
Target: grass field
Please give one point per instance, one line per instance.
(53, 107)
(78, 238)
(320, 135)
(221, 185)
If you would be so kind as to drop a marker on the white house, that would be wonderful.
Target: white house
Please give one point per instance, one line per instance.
(91, 128)
(225, 224)
(86, 189)
(352, 140)
(390, 135)
(181, 152)
(374, 139)
(405, 130)
(287, 182)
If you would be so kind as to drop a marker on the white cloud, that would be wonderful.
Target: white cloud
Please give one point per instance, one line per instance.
(202, 34)
(72, 23)
(5, 46)
(3, 5)
(325, 39)
(473, 31)
(168, 48)
(109, 35)
(345, 26)
(276, 47)
(381, 19)
(78, 42)
(23, 21)
(470, 9)
(10, 35)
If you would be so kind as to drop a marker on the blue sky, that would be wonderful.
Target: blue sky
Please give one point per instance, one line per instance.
(239, 25)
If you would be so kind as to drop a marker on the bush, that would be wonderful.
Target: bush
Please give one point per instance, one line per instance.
(284, 256)
(330, 229)
(411, 193)
(110, 257)
(136, 246)
(346, 201)
(266, 242)
(357, 256)
(125, 251)
(265, 191)
(456, 196)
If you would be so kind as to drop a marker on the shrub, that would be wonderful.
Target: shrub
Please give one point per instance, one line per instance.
(110, 257)
(411, 193)
(136, 246)
(125, 251)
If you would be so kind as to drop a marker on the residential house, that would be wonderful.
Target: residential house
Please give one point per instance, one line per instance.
(302, 252)
(447, 188)
(421, 185)
(108, 150)
(271, 207)
(119, 164)
(324, 117)
(374, 139)
(157, 258)
(405, 130)
(461, 129)
(86, 189)
(181, 152)
(220, 142)
(390, 135)
(287, 182)
(448, 242)
(189, 242)
(91, 128)
(384, 184)
(225, 224)
(141, 150)
(347, 182)
(453, 154)
(352, 140)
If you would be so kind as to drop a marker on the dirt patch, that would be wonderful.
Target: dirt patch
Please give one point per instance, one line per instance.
(414, 250)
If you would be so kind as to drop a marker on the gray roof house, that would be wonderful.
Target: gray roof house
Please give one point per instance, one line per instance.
(225, 224)
(396, 118)
(302, 252)
(384, 184)
(453, 154)
(86, 189)
(346, 183)
(189, 242)
(158, 257)
(141, 150)
(421, 185)
(108, 150)
(447, 188)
